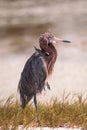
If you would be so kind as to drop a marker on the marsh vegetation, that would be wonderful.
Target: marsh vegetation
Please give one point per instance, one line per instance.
(54, 114)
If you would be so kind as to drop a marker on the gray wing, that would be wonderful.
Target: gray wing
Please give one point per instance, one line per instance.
(33, 77)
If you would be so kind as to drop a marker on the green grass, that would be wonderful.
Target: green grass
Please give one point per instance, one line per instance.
(53, 114)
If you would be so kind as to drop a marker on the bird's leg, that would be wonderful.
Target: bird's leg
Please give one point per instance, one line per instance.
(48, 86)
(44, 88)
(35, 103)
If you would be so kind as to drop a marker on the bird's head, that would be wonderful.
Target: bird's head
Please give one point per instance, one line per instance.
(50, 38)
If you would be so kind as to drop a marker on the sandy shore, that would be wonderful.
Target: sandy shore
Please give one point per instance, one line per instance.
(47, 128)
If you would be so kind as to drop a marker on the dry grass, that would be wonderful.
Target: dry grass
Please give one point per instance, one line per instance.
(57, 113)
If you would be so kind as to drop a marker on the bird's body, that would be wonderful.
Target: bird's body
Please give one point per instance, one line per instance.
(33, 77)
(37, 68)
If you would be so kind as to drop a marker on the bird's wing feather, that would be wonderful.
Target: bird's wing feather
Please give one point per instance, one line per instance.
(34, 74)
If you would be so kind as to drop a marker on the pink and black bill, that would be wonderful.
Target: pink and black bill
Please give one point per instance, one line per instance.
(66, 41)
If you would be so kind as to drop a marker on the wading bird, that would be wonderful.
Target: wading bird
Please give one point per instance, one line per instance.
(37, 68)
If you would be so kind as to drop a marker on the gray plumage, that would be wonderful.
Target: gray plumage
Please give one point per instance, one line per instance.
(33, 77)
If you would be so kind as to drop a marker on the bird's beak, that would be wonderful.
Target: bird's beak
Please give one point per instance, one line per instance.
(56, 40)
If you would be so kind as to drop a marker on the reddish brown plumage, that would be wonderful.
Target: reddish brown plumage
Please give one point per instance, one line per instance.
(49, 48)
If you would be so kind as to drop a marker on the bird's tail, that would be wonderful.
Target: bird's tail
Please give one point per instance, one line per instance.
(24, 100)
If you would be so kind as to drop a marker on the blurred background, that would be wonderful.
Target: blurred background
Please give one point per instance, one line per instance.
(21, 24)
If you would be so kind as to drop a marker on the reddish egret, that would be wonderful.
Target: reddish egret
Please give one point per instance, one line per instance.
(37, 68)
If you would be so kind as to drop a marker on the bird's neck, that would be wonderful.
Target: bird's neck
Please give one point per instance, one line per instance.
(51, 57)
